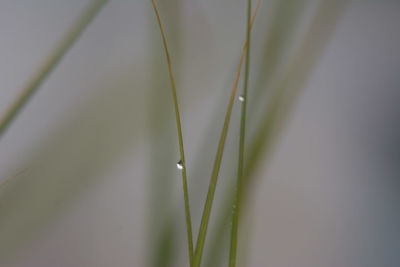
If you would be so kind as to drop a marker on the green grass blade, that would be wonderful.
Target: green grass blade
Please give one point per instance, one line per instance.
(236, 205)
(180, 137)
(282, 102)
(217, 163)
(33, 85)
(163, 215)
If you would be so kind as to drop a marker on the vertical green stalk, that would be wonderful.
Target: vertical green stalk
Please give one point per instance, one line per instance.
(284, 95)
(237, 203)
(45, 70)
(217, 163)
(179, 128)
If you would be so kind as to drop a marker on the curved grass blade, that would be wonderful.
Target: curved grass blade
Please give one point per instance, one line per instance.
(217, 163)
(179, 128)
(236, 205)
(33, 85)
(163, 220)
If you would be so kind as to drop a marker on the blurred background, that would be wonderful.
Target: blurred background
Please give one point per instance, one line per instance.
(90, 162)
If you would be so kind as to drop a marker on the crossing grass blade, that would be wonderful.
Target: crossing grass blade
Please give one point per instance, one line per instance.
(217, 163)
(180, 137)
(284, 96)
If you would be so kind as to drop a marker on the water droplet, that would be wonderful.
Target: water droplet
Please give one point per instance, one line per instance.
(241, 98)
(179, 165)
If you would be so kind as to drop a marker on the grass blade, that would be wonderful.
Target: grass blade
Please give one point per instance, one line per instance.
(179, 128)
(236, 205)
(285, 94)
(217, 163)
(37, 80)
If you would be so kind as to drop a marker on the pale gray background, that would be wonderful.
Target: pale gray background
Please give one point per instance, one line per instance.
(328, 197)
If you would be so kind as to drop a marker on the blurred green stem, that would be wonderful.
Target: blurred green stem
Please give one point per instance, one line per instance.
(4, 182)
(44, 71)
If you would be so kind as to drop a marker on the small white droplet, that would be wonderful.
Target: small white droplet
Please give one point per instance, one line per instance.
(179, 165)
(241, 98)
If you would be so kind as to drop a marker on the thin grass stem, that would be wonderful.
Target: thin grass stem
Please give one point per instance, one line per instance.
(44, 71)
(217, 163)
(237, 203)
(281, 103)
(182, 165)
